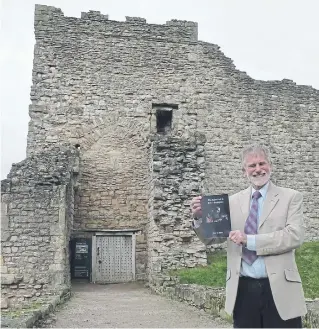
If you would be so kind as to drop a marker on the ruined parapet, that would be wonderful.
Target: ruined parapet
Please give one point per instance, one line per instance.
(95, 22)
(37, 202)
(177, 174)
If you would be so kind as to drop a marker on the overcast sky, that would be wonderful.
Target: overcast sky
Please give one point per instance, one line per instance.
(268, 39)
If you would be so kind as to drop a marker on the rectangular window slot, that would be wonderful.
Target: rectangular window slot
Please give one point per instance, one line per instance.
(163, 121)
(164, 116)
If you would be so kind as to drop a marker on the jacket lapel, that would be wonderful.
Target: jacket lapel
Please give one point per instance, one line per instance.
(272, 198)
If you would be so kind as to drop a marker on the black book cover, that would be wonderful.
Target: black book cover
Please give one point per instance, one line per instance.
(216, 216)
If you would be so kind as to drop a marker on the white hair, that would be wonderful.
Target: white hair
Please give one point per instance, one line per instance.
(255, 148)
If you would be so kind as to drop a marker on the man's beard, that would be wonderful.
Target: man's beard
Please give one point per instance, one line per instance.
(259, 180)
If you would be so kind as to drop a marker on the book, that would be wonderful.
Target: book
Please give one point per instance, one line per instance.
(215, 221)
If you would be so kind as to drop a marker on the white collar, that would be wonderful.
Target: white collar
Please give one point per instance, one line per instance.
(263, 190)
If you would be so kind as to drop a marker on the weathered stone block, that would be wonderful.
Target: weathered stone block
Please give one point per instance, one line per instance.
(7, 279)
(4, 303)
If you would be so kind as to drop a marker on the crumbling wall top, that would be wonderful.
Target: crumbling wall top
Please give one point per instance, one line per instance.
(175, 30)
(50, 167)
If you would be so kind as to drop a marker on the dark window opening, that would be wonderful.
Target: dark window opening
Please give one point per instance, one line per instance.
(163, 121)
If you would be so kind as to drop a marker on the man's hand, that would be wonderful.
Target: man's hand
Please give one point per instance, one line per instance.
(238, 237)
(196, 207)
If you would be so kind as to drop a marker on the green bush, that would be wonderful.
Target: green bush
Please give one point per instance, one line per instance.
(215, 273)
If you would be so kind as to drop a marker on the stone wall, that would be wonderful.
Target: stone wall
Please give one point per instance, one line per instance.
(98, 83)
(37, 202)
(177, 172)
(212, 300)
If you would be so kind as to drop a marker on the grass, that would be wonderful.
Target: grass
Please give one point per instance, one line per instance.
(22, 311)
(212, 275)
(215, 273)
(307, 257)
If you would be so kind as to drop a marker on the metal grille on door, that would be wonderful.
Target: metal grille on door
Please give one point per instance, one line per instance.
(114, 259)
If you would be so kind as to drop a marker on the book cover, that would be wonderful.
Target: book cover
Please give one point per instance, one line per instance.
(215, 221)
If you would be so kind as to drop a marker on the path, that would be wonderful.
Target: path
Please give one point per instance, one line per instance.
(127, 306)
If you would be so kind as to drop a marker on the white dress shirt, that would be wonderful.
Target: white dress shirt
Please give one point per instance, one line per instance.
(257, 269)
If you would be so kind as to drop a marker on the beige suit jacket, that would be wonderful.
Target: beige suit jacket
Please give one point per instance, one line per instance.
(280, 232)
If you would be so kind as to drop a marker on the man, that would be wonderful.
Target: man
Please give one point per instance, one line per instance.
(263, 286)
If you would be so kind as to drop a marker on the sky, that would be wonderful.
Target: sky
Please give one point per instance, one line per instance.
(268, 39)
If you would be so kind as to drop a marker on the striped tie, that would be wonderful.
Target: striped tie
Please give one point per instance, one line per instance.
(251, 227)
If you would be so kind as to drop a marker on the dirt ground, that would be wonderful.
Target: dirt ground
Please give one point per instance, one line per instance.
(126, 306)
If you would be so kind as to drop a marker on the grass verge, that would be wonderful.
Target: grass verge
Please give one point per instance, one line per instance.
(307, 258)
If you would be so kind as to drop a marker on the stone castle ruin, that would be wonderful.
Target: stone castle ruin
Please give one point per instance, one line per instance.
(129, 121)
